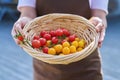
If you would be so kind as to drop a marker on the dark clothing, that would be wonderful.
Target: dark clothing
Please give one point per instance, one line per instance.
(80, 7)
(87, 69)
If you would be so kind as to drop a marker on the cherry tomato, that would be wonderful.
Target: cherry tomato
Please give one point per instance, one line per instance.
(47, 36)
(72, 38)
(42, 41)
(52, 33)
(66, 32)
(54, 40)
(20, 37)
(42, 33)
(45, 49)
(36, 43)
(36, 37)
(59, 32)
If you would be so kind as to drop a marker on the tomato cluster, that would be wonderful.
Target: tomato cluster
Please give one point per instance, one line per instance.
(57, 42)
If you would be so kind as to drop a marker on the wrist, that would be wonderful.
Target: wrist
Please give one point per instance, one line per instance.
(28, 12)
(27, 15)
(100, 14)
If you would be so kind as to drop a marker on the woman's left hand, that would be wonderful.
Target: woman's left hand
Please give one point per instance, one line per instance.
(100, 26)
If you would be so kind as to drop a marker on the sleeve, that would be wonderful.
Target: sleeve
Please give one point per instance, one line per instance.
(99, 4)
(22, 3)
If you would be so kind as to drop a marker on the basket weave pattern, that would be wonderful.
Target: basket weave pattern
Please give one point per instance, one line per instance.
(75, 24)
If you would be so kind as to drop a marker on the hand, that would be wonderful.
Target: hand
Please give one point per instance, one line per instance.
(18, 26)
(100, 28)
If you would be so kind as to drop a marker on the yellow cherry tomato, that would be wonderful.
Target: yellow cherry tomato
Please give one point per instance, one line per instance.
(82, 40)
(58, 48)
(79, 49)
(65, 50)
(66, 44)
(51, 51)
(77, 39)
(81, 43)
(48, 43)
(75, 43)
(72, 49)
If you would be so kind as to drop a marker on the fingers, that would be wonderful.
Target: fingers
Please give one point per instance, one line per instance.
(18, 27)
(20, 23)
(100, 28)
(101, 38)
(15, 32)
(95, 20)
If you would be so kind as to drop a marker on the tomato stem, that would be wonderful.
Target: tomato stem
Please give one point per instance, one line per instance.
(27, 42)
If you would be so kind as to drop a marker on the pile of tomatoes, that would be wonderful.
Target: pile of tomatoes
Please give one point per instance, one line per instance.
(57, 42)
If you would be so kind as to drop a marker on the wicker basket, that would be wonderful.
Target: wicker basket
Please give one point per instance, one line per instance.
(74, 23)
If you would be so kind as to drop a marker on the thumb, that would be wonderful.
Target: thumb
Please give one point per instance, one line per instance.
(95, 20)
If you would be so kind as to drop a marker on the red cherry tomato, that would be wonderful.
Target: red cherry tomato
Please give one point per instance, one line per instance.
(45, 49)
(72, 38)
(52, 33)
(42, 41)
(59, 32)
(20, 38)
(66, 32)
(36, 43)
(47, 36)
(42, 33)
(55, 40)
(36, 37)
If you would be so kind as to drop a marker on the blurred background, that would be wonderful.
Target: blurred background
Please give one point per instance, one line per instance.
(15, 64)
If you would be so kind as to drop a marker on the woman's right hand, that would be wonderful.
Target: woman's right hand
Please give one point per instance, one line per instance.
(18, 26)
